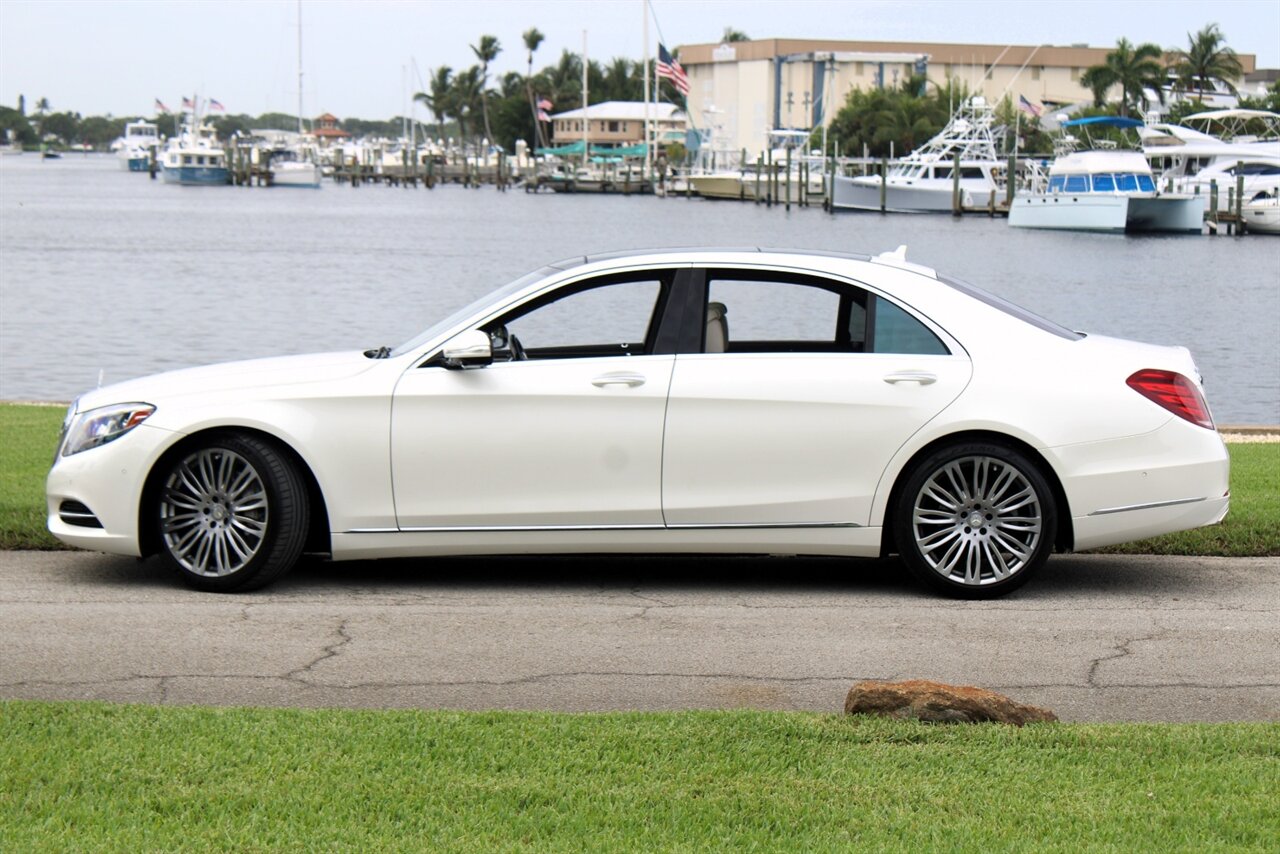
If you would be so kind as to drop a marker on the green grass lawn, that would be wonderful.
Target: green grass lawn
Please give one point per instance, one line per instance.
(28, 435)
(88, 776)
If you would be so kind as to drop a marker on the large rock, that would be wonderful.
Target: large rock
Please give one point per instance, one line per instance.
(939, 703)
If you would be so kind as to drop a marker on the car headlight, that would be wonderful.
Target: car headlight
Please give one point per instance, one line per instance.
(104, 424)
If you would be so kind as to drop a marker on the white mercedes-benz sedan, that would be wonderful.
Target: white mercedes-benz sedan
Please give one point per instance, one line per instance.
(689, 401)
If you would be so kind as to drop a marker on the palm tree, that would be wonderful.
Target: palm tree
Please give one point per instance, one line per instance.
(487, 52)
(620, 81)
(1133, 69)
(533, 38)
(466, 93)
(437, 100)
(1207, 59)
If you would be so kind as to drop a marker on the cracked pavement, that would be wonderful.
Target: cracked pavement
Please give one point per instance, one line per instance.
(1093, 637)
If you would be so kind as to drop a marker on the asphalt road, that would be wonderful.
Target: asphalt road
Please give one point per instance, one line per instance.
(1096, 638)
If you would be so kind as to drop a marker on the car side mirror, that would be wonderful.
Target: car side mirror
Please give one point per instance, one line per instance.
(470, 349)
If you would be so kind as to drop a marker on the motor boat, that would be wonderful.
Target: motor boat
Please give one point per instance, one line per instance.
(924, 180)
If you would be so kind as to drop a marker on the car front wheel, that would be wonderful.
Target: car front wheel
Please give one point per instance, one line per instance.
(232, 514)
(975, 520)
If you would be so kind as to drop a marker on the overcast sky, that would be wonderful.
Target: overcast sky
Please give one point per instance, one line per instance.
(118, 56)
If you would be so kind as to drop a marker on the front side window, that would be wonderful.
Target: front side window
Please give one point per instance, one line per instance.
(1057, 183)
(603, 318)
(1145, 184)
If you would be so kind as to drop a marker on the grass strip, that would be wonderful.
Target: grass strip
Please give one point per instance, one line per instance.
(90, 776)
(29, 433)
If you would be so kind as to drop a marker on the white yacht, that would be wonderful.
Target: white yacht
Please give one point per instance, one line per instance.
(195, 157)
(133, 150)
(1262, 214)
(1192, 161)
(923, 181)
(1104, 190)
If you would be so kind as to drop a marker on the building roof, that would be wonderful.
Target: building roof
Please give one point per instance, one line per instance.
(1073, 56)
(624, 111)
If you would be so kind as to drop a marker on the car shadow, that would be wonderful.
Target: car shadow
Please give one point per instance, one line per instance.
(1064, 577)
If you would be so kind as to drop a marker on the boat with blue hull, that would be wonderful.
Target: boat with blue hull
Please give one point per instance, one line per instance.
(133, 150)
(195, 157)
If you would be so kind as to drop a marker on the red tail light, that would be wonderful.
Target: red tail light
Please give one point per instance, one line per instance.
(1175, 393)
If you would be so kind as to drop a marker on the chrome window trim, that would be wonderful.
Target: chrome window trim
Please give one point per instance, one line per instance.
(497, 529)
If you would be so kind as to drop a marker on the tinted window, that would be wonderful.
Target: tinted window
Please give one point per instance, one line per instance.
(611, 319)
(1077, 184)
(1103, 184)
(1145, 184)
(794, 313)
(776, 311)
(895, 331)
(1127, 182)
(1056, 183)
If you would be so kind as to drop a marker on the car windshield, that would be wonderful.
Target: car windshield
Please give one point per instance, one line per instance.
(471, 308)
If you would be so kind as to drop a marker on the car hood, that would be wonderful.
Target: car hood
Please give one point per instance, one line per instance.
(255, 373)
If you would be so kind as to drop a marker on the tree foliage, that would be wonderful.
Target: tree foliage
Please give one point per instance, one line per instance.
(892, 121)
(1135, 70)
(1206, 59)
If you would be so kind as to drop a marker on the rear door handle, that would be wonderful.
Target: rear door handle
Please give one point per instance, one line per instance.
(922, 377)
(620, 378)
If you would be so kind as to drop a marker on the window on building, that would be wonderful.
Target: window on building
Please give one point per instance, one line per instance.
(613, 127)
(1035, 72)
(1075, 73)
(989, 73)
(858, 68)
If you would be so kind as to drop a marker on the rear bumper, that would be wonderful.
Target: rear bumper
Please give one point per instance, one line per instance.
(1172, 479)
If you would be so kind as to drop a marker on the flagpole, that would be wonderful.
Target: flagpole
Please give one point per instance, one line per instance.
(648, 149)
(586, 120)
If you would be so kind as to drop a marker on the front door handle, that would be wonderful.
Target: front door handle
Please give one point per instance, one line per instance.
(626, 379)
(922, 377)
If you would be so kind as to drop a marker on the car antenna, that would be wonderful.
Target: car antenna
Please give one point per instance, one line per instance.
(898, 255)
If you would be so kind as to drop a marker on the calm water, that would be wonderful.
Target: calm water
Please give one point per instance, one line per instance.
(102, 270)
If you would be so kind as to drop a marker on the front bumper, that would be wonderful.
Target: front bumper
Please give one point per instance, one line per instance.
(108, 481)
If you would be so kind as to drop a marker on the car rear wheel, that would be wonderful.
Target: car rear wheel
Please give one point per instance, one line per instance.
(232, 514)
(975, 520)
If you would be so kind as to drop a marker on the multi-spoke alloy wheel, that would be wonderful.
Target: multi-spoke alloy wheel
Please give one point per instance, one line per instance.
(975, 520)
(232, 514)
(213, 512)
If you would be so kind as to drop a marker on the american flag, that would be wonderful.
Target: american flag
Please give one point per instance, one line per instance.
(543, 117)
(671, 69)
(187, 103)
(160, 107)
(1029, 108)
(544, 104)
(215, 104)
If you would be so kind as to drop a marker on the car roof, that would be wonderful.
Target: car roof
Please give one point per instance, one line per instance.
(687, 254)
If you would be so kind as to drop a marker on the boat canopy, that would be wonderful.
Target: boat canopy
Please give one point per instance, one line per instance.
(1107, 121)
(578, 147)
(1219, 115)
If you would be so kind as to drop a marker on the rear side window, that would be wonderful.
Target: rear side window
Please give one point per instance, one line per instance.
(895, 331)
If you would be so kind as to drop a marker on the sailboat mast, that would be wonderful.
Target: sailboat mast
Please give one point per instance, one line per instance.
(586, 120)
(300, 127)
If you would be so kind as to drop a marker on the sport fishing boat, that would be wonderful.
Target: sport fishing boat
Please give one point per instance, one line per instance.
(923, 181)
(1104, 189)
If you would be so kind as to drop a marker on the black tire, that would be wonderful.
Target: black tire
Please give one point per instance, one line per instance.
(975, 520)
(232, 514)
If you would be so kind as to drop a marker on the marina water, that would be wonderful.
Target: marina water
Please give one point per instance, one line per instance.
(104, 271)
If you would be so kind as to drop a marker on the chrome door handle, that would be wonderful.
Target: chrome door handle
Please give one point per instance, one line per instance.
(922, 377)
(618, 379)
